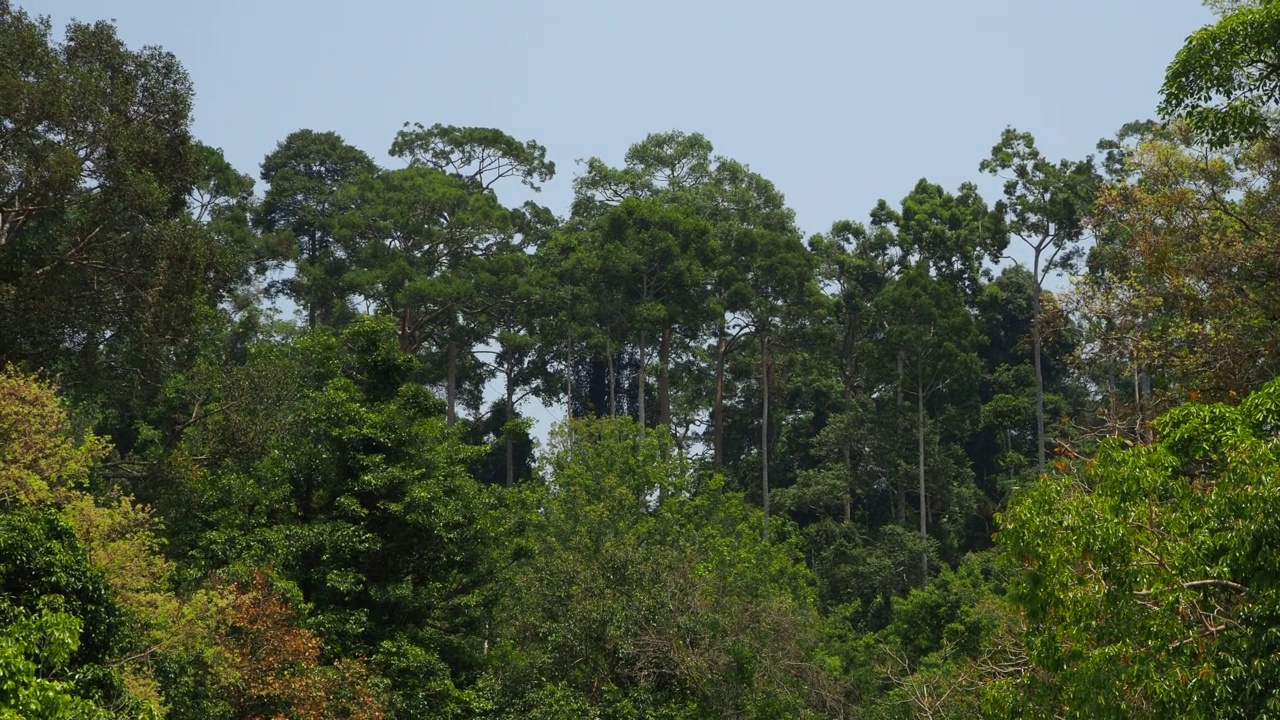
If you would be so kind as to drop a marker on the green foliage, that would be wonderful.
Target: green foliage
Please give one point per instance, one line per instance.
(354, 519)
(1148, 583)
(362, 501)
(28, 641)
(104, 272)
(1223, 80)
(305, 174)
(644, 589)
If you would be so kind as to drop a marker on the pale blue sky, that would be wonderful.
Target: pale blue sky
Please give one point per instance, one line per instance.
(839, 103)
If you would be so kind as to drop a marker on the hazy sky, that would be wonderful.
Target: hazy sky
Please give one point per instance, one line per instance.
(838, 103)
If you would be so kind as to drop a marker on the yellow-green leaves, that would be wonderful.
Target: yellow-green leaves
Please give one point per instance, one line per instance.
(39, 457)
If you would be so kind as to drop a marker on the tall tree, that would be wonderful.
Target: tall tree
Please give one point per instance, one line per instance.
(1048, 209)
(927, 325)
(653, 252)
(461, 220)
(105, 275)
(512, 328)
(673, 169)
(851, 266)
(762, 267)
(773, 275)
(951, 235)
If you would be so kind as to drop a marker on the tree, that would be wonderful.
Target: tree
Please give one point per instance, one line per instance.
(1048, 210)
(763, 269)
(849, 264)
(1179, 296)
(952, 235)
(927, 325)
(66, 650)
(1147, 577)
(275, 665)
(1225, 81)
(360, 500)
(104, 273)
(421, 231)
(512, 329)
(305, 175)
(674, 170)
(652, 252)
(644, 589)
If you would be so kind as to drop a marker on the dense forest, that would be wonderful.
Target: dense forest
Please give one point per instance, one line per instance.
(1011, 456)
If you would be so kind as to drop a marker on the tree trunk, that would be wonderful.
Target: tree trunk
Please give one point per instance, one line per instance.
(506, 431)
(1137, 405)
(717, 435)
(902, 480)
(848, 458)
(311, 306)
(1112, 401)
(568, 377)
(924, 512)
(764, 430)
(451, 384)
(613, 384)
(640, 381)
(1035, 333)
(568, 398)
(664, 379)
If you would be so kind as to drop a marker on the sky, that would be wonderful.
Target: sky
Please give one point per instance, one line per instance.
(839, 103)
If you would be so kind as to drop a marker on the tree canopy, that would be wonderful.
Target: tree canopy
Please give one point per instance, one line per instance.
(1011, 456)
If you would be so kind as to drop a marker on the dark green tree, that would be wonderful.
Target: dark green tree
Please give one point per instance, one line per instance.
(306, 174)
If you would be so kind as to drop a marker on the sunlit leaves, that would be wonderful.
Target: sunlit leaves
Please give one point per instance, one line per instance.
(1149, 580)
(1224, 79)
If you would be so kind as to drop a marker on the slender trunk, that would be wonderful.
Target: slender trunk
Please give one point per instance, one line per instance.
(1145, 410)
(312, 256)
(568, 377)
(924, 512)
(717, 435)
(664, 379)
(848, 459)
(1144, 434)
(613, 395)
(451, 384)
(1111, 394)
(641, 381)
(1035, 333)
(568, 384)
(1137, 406)
(406, 344)
(902, 480)
(511, 412)
(764, 430)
